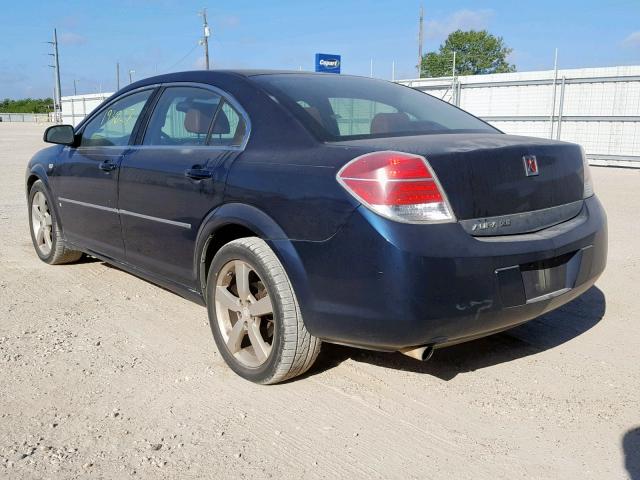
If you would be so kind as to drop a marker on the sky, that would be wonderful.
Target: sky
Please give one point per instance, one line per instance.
(158, 36)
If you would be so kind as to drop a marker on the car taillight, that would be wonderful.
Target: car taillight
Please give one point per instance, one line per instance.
(588, 180)
(396, 185)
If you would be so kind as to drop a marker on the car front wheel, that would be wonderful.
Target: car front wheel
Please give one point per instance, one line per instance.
(254, 314)
(46, 234)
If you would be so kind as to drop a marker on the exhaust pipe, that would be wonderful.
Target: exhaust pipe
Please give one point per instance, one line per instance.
(423, 353)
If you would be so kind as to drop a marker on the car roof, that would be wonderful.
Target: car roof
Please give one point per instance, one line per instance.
(256, 71)
(215, 75)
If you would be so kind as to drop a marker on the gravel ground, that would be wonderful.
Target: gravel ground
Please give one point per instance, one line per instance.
(104, 375)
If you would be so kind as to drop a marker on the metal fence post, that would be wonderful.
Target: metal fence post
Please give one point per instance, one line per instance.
(553, 100)
(561, 107)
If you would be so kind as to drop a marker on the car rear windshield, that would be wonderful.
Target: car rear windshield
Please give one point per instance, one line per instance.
(337, 107)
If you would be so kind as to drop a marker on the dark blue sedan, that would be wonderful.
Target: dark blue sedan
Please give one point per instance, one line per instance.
(302, 208)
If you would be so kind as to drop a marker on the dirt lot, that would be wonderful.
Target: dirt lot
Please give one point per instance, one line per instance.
(104, 375)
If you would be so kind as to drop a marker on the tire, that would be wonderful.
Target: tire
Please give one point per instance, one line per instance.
(46, 235)
(292, 349)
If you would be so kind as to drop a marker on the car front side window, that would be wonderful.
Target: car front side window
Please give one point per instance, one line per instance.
(114, 125)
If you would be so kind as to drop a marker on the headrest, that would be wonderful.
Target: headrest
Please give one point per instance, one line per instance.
(390, 123)
(221, 125)
(196, 121)
(184, 106)
(314, 113)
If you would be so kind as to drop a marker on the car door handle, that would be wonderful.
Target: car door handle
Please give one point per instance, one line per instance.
(198, 173)
(107, 166)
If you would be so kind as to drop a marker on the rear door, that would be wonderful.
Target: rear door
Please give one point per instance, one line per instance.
(87, 184)
(175, 176)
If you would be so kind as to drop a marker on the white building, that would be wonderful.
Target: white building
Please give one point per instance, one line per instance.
(76, 107)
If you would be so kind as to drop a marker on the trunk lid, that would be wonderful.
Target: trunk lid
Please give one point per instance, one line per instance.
(484, 175)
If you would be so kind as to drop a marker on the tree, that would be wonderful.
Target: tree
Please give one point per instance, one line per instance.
(26, 105)
(476, 53)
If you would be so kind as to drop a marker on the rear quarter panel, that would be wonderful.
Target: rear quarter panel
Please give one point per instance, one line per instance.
(296, 187)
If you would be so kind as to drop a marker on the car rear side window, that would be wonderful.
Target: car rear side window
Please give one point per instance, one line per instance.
(228, 128)
(336, 107)
(113, 125)
(182, 116)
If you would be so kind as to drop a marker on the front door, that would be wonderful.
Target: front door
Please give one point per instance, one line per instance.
(170, 182)
(87, 186)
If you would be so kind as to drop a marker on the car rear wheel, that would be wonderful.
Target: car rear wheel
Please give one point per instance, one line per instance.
(254, 314)
(45, 229)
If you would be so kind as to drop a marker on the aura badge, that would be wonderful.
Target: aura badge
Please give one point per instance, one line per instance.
(530, 165)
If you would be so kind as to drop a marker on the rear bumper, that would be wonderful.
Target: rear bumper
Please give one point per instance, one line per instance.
(386, 285)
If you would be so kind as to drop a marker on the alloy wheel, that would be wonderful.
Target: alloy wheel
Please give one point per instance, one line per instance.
(41, 223)
(244, 313)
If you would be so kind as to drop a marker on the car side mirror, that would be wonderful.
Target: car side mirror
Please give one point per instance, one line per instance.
(60, 134)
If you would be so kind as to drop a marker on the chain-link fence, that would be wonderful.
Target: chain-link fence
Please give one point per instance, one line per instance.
(599, 108)
(26, 117)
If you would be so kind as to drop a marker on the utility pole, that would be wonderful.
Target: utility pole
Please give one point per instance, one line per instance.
(57, 101)
(420, 40)
(57, 59)
(53, 107)
(117, 76)
(75, 87)
(54, 110)
(205, 37)
(131, 72)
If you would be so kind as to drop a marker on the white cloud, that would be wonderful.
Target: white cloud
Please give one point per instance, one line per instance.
(70, 38)
(230, 21)
(633, 40)
(459, 20)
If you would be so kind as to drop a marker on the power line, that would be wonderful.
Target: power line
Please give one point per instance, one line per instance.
(183, 58)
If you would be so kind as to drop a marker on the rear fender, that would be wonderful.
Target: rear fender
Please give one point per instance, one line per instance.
(257, 221)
